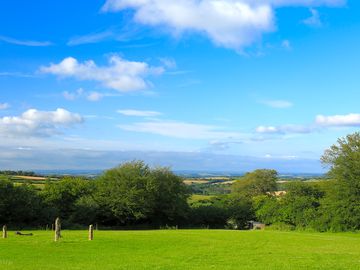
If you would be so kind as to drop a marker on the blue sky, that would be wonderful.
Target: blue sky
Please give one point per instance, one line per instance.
(220, 85)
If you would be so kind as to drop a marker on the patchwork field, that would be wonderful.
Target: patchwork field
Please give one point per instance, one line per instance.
(181, 249)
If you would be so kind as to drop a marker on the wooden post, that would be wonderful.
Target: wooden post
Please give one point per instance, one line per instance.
(91, 232)
(5, 234)
(57, 229)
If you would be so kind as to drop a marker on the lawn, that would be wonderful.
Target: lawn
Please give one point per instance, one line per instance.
(181, 249)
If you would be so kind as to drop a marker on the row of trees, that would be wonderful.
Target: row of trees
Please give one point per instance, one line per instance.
(332, 205)
(134, 194)
(127, 195)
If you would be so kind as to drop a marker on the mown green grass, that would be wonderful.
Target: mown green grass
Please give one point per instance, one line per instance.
(181, 249)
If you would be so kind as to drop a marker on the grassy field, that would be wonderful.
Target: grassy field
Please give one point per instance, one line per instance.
(181, 249)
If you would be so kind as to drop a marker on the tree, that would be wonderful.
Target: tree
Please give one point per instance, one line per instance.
(133, 192)
(299, 206)
(341, 208)
(170, 196)
(65, 196)
(20, 205)
(344, 161)
(258, 182)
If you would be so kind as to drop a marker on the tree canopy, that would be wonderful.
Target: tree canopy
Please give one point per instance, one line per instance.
(258, 182)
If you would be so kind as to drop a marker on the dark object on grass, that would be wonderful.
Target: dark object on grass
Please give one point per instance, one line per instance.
(24, 234)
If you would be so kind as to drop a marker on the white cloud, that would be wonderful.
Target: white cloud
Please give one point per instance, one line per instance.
(298, 129)
(4, 106)
(139, 113)
(30, 43)
(349, 120)
(94, 96)
(228, 23)
(321, 122)
(283, 157)
(279, 104)
(90, 38)
(81, 93)
(181, 130)
(314, 20)
(120, 74)
(35, 123)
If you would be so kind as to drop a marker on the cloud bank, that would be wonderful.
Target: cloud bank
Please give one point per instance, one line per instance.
(232, 24)
(180, 130)
(321, 122)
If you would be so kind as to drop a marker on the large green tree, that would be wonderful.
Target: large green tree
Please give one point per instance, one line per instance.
(341, 208)
(134, 192)
(258, 182)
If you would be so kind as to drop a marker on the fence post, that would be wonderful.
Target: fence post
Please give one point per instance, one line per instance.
(4, 230)
(57, 229)
(91, 232)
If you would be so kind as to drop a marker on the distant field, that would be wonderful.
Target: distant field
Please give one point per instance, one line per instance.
(196, 198)
(181, 249)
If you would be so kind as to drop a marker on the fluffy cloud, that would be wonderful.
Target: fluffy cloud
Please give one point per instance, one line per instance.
(34, 123)
(181, 130)
(228, 23)
(139, 113)
(349, 120)
(119, 74)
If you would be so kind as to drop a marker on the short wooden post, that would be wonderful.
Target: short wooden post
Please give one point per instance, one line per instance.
(57, 229)
(91, 232)
(5, 234)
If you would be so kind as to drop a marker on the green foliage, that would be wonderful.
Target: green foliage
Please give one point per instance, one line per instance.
(212, 212)
(344, 161)
(65, 197)
(267, 209)
(170, 196)
(20, 205)
(341, 209)
(258, 182)
(133, 192)
(297, 208)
